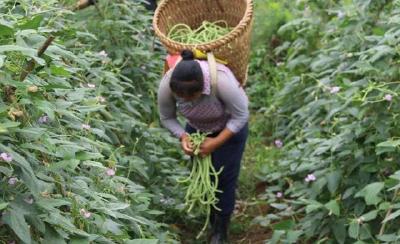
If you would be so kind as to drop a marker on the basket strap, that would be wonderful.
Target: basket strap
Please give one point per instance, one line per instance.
(213, 72)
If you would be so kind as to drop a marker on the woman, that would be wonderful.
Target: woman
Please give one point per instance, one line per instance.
(187, 88)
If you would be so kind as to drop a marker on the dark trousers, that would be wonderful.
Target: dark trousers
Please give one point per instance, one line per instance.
(229, 156)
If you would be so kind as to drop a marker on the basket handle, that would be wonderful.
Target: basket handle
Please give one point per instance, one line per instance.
(213, 72)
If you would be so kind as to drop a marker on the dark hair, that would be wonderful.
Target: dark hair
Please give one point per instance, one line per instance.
(187, 77)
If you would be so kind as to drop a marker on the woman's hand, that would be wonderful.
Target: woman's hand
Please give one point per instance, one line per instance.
(186, 144)
(208, 146)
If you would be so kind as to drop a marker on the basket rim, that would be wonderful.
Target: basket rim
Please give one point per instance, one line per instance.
(241, 27)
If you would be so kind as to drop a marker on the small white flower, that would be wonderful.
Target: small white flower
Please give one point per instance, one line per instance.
(278, 143)
(86, 126)
(85, 213)
(12, 181)
(388, 97)
(334, 89)
(341, 14)
(110, 172)
(6, 157)
(279, 194)
(91, 85)
(103, 54)
(310, 177)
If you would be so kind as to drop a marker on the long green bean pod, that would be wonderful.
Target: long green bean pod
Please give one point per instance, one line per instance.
(201, 192)
(206, 32)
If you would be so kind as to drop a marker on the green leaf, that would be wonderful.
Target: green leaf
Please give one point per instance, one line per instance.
(391, 238)
(293, 236)
(5, 30)
(59, 71)
(112, 227)
(68, 164)
(16, 221)
(33, 23)
(27, 172)
(354, 229)
(46, 107)
(392, 216)
(279, 206)
(370, 193)
(3, 205)
(79, 240)
(276, 237)
(339, 230)
(5, 126)
(50, 204)
(284, 225)
(371, 215)
(387, 146)
(333, 181)
(6, 171)
(333, 207)
(52, 236)
(30, 52)
(142, 241)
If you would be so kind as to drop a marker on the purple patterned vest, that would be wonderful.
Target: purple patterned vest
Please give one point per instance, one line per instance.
(206, 113)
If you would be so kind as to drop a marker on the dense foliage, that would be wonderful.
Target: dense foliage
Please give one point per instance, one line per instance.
(82, 158)
(334, 174)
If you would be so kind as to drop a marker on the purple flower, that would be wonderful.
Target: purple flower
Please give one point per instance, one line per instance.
(103, 54)
(86, 126)
(279, 194)
(110, 172)
(310, 178)
(85, 213)
(278, 143)
(6, 157)
(388, 97)
(91, 85)
(12, 181)
(334, 89)
(43, 119)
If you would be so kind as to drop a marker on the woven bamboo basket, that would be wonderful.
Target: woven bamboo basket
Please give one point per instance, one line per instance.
(233, 47)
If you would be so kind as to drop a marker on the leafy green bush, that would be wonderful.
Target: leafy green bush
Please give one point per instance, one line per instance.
(336, 125)
(82, 155)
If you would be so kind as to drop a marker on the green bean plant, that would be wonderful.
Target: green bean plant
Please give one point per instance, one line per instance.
(334, 121)
(81, 153)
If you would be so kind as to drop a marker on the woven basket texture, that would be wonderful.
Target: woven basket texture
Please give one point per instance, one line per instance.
(233, 47)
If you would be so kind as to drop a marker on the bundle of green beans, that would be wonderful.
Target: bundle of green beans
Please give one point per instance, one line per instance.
(201, 193)
(206, 32)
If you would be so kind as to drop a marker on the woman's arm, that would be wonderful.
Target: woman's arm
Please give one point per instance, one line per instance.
(235, 100)
(167, 108)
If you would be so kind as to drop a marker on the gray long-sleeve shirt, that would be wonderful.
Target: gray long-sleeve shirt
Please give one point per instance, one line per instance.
(209, 113)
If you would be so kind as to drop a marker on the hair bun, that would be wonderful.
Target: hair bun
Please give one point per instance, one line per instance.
(187, 55)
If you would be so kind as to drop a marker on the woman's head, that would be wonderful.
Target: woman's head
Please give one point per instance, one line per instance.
(187, 77)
